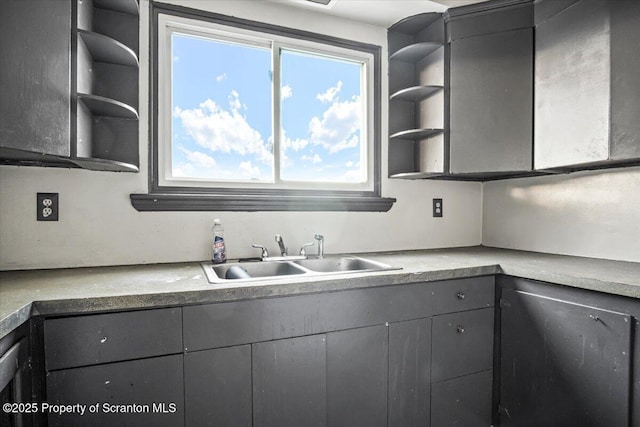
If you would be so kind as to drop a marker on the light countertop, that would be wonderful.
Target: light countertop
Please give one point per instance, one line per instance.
(87, 290)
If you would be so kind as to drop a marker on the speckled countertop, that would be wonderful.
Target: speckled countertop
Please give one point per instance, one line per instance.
(83, 290)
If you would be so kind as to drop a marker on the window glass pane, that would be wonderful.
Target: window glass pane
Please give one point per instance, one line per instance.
(321, 118)
(221, 110)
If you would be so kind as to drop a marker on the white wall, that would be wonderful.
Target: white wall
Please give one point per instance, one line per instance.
(98, 225)
(593, 214)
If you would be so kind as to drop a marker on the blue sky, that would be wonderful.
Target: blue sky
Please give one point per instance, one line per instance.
(222, 114)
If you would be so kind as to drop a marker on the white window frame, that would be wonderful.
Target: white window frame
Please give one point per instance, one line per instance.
(170, 24)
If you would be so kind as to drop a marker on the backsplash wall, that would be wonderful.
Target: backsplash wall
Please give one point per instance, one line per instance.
(98, 226)
(592, 214)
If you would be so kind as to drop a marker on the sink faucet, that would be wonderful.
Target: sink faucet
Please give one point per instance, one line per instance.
(320, 239)
(283, 248)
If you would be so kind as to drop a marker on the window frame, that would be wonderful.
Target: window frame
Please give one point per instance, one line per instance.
(227, 198)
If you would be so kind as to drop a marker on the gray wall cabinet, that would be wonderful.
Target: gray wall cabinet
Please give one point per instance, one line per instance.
(567, 356)
(35, 79)
(587, 85)
(69, 83)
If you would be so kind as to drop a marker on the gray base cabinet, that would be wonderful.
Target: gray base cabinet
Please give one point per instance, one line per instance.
(372, 357)
(566, 357)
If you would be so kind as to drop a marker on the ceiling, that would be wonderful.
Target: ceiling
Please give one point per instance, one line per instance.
(382, 13)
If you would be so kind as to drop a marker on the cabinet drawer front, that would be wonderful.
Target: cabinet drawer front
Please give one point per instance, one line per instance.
(462, 344)
(152, 387)
(463, 294)
(462, 402)
(102, 338)
(244, 322)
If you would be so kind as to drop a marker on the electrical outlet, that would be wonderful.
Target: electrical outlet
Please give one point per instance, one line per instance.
(437, 208)
(47, 205)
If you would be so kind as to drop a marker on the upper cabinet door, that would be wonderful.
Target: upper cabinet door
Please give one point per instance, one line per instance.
(587, 85)
(35, 43)
(491, 98)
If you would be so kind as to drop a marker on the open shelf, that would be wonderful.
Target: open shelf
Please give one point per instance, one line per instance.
(125, 6)
(415, 51)
(106, 107)
(106, 49)
(415, 93)
(416, 134)
(104, 165)
(416, 175)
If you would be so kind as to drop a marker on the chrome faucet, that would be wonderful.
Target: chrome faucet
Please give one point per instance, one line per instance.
(283, 248)
(320, 239)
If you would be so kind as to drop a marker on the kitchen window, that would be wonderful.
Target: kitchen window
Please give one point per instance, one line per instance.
(249, 116)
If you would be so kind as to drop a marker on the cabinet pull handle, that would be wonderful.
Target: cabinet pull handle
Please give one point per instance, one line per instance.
(103, 340)
(460, 295)
(460, 329)
(594, 317)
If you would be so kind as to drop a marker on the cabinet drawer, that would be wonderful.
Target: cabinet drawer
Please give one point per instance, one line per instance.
(102, 338)
(463, 294)
(462, 402)
(462, 344)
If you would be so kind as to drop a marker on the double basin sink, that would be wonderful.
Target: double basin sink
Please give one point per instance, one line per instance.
(270, 270)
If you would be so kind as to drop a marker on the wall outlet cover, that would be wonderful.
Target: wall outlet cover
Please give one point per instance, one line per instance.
(47, 207)
(437, 208)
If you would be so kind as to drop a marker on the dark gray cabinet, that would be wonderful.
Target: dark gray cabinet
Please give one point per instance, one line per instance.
(565, 359)
(35, 79)
(491, 90)
(218, 387)
(69, 83)
(587, 83)
(463, 402)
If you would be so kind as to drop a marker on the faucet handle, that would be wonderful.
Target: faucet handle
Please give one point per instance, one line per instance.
(303, 252)
(318, 237)
(265, 253)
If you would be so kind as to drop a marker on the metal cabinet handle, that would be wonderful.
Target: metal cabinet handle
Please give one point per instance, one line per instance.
(460, 329)
(103, 340)
(460, 295)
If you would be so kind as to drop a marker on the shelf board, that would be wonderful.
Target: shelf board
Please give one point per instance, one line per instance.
(415, 175)
(106, 49)
(415, 24)
(104, 165)
(107, 107)
(416, 134)
(415, 51)
(126, 6)
(415, 93)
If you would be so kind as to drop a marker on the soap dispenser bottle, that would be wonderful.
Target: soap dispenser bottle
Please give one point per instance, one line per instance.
(219, 254)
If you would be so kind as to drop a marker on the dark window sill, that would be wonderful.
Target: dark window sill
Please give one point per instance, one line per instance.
(253, 203)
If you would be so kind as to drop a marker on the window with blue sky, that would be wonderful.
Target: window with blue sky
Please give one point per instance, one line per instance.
(232, 119)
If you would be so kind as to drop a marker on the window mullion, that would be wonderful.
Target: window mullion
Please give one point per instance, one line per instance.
(276, 100)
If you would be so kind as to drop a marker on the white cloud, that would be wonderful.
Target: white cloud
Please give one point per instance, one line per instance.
(221, 77)
(338, 127)
(286, 92)
(295, 144)
(221, 130)
(313, 159)
(200, 159)
(330, 93)
(247, 170)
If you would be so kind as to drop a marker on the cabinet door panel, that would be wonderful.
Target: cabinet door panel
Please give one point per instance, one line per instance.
(409, 373)
(35, 41)
(462, 344)
(143, 383)
(357, 377)
(563, 364)
(218, 387)
(289, 382)
(463, 401)
(491, 95)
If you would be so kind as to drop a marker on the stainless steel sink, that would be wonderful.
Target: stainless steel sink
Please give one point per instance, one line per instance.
(272, 270)
(341, 264)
